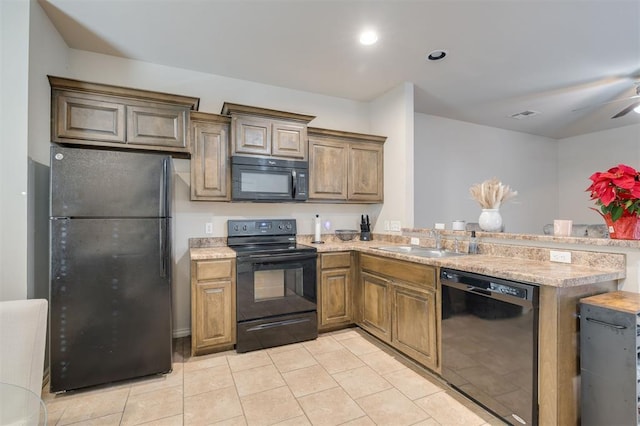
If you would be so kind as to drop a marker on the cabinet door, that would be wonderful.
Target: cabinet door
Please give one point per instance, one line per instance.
(87, 117)
(157, 125)
(215, 315)
(213, 305)
(365, 172)
(328, 168)
(335, 297)
(376, 314)
(251, 136)
(414, 324)
(289, 140)
(209, 161)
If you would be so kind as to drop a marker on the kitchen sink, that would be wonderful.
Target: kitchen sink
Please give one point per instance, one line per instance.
(419, 251)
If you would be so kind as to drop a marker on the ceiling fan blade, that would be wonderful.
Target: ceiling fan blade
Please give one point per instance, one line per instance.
(626, 110)
(605, 103)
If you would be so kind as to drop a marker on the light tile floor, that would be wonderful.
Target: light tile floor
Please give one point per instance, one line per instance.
(342, 378)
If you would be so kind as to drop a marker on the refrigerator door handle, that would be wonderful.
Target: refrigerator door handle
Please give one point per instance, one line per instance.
(164, 186)
(163, 248)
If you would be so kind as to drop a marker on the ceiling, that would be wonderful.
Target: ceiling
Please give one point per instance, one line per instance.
(504, 57)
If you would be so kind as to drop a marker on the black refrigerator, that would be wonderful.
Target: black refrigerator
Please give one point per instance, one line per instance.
(110, 259)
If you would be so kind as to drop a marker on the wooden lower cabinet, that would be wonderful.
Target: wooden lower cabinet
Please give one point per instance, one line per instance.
(376, 304)
(414, 323)
(213, 305)
(398, 305)
(335, 290)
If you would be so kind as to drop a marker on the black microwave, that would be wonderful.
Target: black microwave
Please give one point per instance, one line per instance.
(268, 179)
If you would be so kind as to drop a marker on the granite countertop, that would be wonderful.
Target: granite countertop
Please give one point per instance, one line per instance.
(211, 253)
(507, 267)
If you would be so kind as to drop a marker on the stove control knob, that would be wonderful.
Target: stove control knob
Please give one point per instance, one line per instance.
(235, 227)
(288, 226)
(281, 226)
(244, 227)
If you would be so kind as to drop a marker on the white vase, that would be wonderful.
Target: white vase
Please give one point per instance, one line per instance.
(490, 220)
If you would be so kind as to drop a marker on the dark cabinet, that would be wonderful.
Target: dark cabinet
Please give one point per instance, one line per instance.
(610, 359)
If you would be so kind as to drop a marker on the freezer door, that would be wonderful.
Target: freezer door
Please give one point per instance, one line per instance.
(110, 295)
(99, 183)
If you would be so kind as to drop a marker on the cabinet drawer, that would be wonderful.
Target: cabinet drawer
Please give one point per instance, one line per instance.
(421, 275)
(335, 260)
(214, 269)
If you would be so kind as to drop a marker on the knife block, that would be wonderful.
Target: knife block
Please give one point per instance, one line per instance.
(365, 236)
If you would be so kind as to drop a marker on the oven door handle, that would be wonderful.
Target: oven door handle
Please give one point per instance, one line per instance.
(278, 324)
(278, 257)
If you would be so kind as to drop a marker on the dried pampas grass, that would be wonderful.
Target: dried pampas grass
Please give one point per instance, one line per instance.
(491, 193)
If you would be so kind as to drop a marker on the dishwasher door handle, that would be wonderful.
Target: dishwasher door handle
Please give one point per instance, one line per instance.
(606, 324)
(481, 291)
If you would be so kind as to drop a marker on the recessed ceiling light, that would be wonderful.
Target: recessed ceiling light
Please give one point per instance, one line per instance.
(437, 55)
(368, 38)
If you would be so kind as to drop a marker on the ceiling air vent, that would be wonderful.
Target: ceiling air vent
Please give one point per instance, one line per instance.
(523, 114)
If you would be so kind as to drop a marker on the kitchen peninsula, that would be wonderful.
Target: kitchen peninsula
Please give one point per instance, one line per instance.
(520, 258)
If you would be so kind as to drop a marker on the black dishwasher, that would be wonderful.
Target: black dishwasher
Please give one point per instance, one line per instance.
(490, 343)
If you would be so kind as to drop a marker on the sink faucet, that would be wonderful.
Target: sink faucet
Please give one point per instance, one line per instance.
(438, 238)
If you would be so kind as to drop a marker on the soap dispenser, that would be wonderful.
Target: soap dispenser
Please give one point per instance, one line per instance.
(473, 243)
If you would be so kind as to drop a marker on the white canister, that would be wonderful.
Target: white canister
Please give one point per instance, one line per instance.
(562, 227)
(458, 225)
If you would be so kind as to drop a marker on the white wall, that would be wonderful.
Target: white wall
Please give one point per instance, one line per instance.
(48, 54)
(392, 116)
(581, 156)
(190, 217)
(451, 156)
(14, 87)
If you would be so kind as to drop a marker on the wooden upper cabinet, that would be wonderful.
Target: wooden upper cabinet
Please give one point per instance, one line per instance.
(345, 166)
(328, 169)
(289, 140)
(267, 133)
(104, 115)
(251, 136)
(87, 117)
(157, 125)
(366, 172)
(210, 173)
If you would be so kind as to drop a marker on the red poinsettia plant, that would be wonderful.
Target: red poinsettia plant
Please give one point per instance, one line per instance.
(617, 191)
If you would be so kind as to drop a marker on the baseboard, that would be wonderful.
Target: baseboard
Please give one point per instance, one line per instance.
(184, 332)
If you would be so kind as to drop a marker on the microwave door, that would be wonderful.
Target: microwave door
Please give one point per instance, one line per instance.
(266, 184)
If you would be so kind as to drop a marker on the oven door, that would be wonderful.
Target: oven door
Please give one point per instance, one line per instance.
(271, 285)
